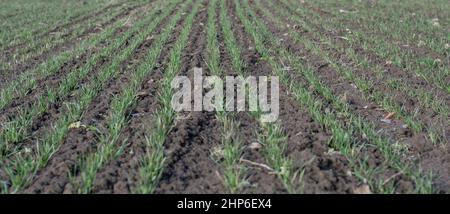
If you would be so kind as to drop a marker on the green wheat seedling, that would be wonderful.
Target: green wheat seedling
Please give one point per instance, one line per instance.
(427, 68)
(365, 86)
(231, 143)
(152, 163)
(37, 48)
(108, 148)
(270, 135)
(340, 135)
(230, 41)
(19, 125)
(26, 81)
(51, 142)
(151, 174)
(395, 21)
(35, 19)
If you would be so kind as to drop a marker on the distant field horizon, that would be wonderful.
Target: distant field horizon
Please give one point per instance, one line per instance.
(87, 93)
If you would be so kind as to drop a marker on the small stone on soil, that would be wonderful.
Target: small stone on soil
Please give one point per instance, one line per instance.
(142, 93)
(386, 121)
(364, 189)
(421, 43)
(255, 145)
(76, 125)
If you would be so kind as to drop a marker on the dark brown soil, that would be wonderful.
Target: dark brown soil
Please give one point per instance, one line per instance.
(391, 70)
(342, 89)
(81, 141)
(120, 176)
(435, 159)
(258, 179)
(34, 61)
(39, 126)
(193, 144)
(75, 20)
(307, 141)
(418, 143)
(417, 51)
(189, 146)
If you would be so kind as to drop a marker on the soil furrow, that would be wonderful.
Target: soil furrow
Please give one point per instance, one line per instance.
(34, 61)
(43, 120)
(76, 20)
(408, 77)
(415, 49)
(342, 87)
(53, 80)
(325, 170)
(370, 156)
(81, 141)
(258, 179)
(120, 176)
(394, 71)
(432, 158)
(189, 166)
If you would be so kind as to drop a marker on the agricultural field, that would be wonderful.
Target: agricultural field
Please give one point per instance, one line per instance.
(86, 92)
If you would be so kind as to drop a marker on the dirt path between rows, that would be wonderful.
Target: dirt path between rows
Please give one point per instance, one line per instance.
(325, 171)
(35, 61)
(121, 175)
(409, 77)
(74, 21)
(431, 158)
(189, 166)
(81, 141)
(41, 124)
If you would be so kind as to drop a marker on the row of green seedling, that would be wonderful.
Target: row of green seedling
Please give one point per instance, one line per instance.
(32, 25)
(22, 167)
(343, 135)
(26, 81)
(40, 46)
(152, 164)
(396, 22)
(270, 135)
(427, 98)
(16, 129)
(362, 84)
(231, 145)
(432, 71)
(108, 146)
